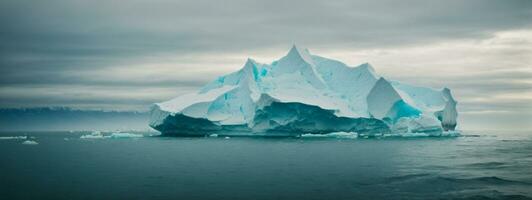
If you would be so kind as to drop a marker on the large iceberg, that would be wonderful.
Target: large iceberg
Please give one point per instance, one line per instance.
(303, 93)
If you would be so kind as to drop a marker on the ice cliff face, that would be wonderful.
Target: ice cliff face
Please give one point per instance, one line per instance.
(303, 93)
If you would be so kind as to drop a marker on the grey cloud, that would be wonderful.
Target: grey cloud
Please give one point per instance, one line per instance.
(79, 96)
(114, 29)
(72, 32)
(51, 78)
(89, 27)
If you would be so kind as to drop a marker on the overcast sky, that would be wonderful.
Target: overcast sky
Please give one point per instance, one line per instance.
(126, 55)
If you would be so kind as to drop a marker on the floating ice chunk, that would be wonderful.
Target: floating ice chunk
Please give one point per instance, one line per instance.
(93, 135)
(99, 135)
(451, 133)
(30, 142)
(342, 135)
(125, 135)
(415, 135)
(13, 137)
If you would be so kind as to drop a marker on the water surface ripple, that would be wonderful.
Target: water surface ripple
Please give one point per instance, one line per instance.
(64, 166)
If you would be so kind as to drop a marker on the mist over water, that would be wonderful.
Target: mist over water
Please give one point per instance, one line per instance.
(64, 166)
(64, 118)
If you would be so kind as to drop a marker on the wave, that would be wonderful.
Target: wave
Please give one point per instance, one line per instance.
(444, 180)
(496, 196)
(484, 165)
(491, 180)
(406, 177)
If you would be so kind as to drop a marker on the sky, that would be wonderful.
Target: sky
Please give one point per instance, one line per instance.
(127, 55)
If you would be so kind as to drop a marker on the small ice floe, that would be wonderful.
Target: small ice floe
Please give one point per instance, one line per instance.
(93, 135)
(125, 135)
(341, 135)
(154, 134)
(99, 135)
(414, 135)
(424, 134)
(455, 133)
(14, 138)
(30, 142)
(227, 137)
(213, 135)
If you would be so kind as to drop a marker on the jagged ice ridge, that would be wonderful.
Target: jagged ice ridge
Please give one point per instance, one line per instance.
(303, 93)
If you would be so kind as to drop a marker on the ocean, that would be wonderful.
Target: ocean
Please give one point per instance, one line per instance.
(62, 165)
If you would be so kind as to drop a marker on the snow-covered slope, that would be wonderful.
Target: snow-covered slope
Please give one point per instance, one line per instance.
(303, 93)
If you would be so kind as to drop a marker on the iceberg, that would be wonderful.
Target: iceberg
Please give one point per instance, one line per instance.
(301, 94)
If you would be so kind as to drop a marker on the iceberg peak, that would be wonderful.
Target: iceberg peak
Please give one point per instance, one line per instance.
(368, 67)
(250, 64)
(250, 70)
(299, 54)
(249, 60)
(299, 61)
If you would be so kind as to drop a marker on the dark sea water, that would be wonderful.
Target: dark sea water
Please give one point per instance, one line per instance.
(63, 166)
